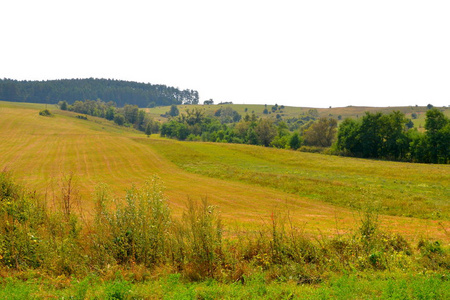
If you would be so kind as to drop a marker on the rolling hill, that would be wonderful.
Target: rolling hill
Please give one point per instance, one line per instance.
(247, 183)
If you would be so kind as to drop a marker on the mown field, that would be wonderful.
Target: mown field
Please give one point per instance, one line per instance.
(323, 195)
(246, 182)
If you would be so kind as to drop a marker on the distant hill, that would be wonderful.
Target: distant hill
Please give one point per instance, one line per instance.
(119, 91)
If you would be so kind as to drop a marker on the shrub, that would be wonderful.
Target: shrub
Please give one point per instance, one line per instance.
(21, 215)
(45, 113)
(198, 240)
(136, 231)
(312, 149)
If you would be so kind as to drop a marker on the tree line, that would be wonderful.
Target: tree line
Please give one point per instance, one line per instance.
(382, 136)
(228, 126)
(375, 135)
(118, 91)
(129, 115)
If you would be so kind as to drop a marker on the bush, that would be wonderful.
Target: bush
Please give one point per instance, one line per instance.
(45, 113)
(136, 231)
(21, 216)
(312, 149)
(198, 240)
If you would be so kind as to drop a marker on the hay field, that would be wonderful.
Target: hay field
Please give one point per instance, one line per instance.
(320, 192)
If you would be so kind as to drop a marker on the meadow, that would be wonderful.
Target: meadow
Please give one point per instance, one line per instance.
(292, 112)
(323, 196)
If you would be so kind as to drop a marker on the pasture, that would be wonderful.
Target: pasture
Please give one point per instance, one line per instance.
(294, 224)
(247, 183)
(292, 112)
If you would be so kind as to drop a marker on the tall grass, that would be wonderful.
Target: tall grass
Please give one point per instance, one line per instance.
(134, 230)
(138, 233)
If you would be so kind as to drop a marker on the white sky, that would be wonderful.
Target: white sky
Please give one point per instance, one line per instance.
(300, 53)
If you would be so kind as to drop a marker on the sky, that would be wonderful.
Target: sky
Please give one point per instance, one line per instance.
(297, 53)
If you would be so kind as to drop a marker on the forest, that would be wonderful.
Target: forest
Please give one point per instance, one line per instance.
(118, 91)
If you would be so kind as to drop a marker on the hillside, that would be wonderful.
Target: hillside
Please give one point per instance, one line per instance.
(339, 113)
(247, 183)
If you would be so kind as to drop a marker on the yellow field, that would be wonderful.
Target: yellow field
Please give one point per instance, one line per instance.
(41, 150)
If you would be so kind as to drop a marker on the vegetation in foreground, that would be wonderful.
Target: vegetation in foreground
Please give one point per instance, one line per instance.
(132, 244)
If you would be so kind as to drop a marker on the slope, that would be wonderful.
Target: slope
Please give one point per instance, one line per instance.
(42, 150)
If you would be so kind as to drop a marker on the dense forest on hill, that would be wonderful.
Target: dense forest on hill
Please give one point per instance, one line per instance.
(118, 91)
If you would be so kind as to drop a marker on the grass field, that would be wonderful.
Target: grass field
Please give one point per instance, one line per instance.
(291, 111)
(247, 183)
(327, 255)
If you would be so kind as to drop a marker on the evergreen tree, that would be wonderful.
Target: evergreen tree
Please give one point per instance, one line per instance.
(148, 129)
(173, 112)
(63, 105)
(295, 142)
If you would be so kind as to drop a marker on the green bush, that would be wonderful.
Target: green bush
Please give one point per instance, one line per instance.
(137, 234)
(137, 230)
(45, 113)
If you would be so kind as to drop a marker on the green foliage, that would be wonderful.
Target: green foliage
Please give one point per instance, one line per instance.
(45, 113)
(227, 115)
(438, 136)
(119, 119)
(295, 141)
(96, 108)
(148, 129)
(130, 113)
(198, 240)
(63, 105)
(266, 131)
(122, 92)
(173, 112)
(110, 112)
(321, 133)
(119, 289)
(136, 231)
(21, 216)
(387, 137)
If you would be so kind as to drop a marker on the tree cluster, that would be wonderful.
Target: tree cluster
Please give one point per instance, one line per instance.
(227, 125)
(377, 135)
(117, 91)
(129, 115)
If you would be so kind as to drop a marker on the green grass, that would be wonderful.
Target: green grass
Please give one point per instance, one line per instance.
(291, 111)
(247, 183)
(401, 189)
(352, 286)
